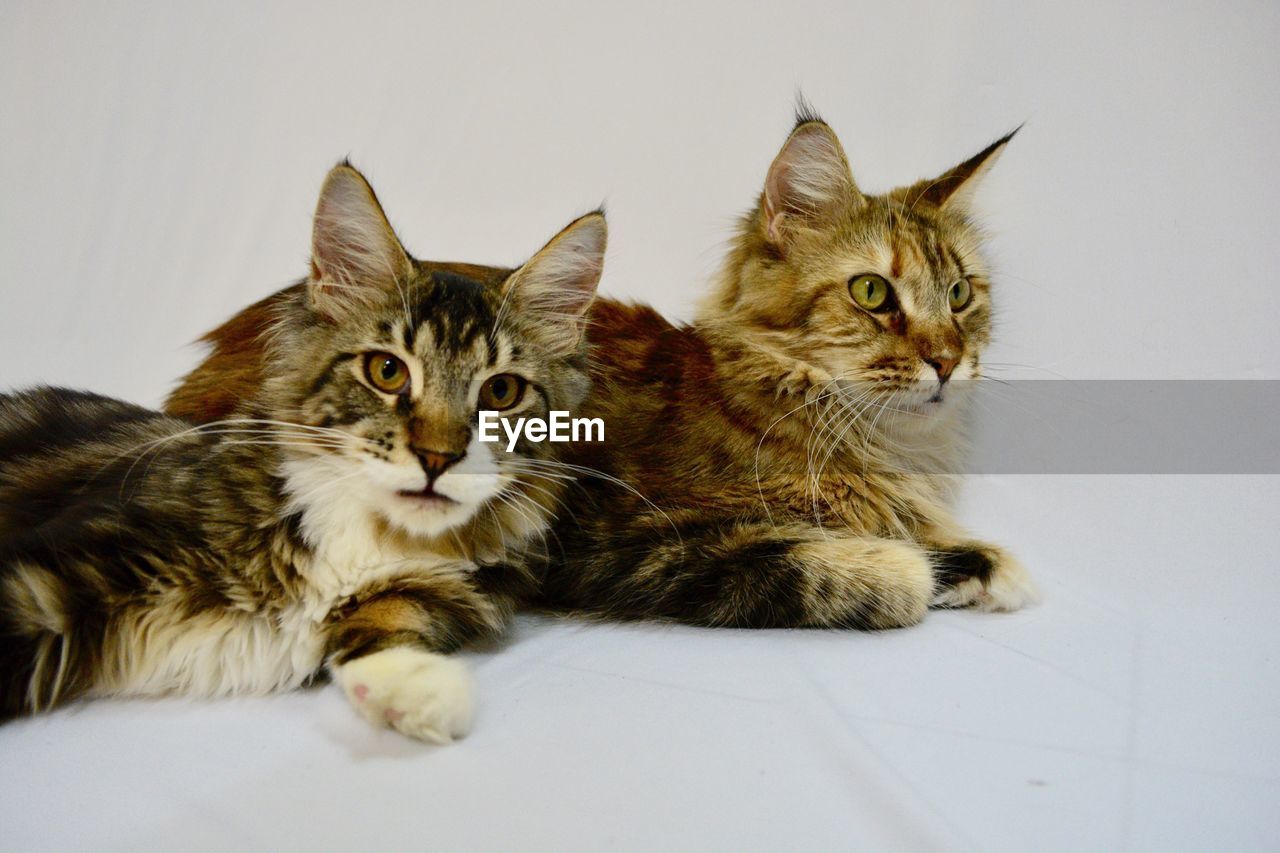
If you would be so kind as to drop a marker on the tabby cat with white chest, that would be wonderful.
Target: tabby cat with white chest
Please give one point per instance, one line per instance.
(343, 518)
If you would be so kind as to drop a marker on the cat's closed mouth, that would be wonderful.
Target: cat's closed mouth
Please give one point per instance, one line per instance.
(427, 496)
(921, 405)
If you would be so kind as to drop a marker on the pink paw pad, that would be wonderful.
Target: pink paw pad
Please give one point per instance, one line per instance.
(361, 691)
(391, 715)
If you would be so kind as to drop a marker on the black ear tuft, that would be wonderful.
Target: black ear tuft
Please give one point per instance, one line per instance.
(805, 111)
(954, 188)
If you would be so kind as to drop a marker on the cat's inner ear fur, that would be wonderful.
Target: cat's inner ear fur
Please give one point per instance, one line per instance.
(557, 285)
(808, 183)
(953, 190)
(355, 255)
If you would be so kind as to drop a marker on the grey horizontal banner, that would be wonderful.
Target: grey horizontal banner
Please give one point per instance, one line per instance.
(1124, 426)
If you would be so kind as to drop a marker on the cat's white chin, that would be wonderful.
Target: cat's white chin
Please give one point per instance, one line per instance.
(928, 399)
(425, 516)
(923, 408)
(423, 509)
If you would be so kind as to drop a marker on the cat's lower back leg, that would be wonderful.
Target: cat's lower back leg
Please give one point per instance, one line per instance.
(867, 582)
(754, 575)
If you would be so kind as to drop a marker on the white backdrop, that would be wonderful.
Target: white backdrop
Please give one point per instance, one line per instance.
(161, 162)
(160, 165)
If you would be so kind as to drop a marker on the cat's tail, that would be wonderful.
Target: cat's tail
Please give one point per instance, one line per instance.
(752, 574)
(50, 640)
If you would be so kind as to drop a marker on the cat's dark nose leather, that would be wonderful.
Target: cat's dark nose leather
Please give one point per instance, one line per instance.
(435, 463)
(943, 366)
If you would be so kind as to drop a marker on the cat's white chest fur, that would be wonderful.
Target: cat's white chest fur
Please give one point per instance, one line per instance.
(350, 545)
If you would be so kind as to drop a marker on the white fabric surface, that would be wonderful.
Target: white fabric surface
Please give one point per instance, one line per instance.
(160, 165)
(1138, 707)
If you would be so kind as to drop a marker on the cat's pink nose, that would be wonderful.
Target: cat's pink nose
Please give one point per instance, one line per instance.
(943, 365)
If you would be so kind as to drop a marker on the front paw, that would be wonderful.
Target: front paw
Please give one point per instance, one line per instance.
(982, 577)
(421, 694)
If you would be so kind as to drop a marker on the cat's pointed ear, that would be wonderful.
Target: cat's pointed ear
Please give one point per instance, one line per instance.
(557, 285)
(954, 188)
(355, 255)
(809, 181)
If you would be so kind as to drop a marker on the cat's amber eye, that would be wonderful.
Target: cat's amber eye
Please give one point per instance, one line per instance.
(386, 372)
(960, 294)
(871, 292)
(501, 392)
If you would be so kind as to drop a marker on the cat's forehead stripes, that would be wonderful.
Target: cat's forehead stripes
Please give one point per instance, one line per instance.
(916, 245)
(449, 315)
(455, 308)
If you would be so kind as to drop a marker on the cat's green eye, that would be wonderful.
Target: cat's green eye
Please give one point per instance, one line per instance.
(871, 292)
(959, 295)
(501, 392)
(387, 373)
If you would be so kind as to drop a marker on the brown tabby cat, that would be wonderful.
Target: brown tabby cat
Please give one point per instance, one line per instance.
(783, 461)
(342, 515)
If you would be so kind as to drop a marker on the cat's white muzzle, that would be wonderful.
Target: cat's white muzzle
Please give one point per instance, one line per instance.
(454, 497)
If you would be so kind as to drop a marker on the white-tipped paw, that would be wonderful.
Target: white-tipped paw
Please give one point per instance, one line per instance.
(1009, 587)
(421, 694)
